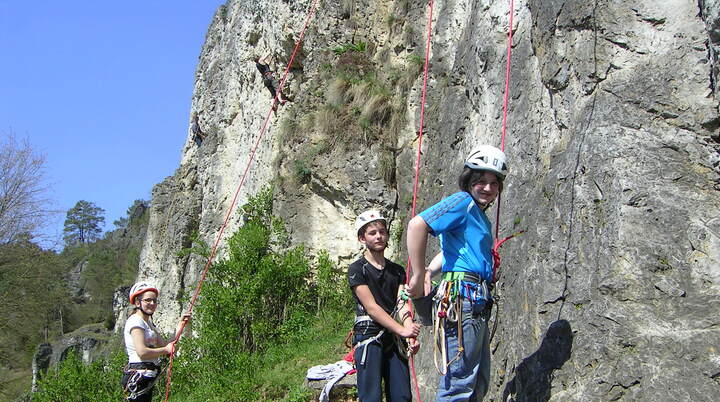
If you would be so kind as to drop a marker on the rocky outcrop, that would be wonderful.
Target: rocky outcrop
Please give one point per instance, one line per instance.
(88, 342)
(612, 292)
(40, 363)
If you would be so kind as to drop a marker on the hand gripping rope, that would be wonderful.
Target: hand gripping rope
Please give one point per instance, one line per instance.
(310, 14)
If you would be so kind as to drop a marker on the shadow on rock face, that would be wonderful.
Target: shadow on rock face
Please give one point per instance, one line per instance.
(532, 377)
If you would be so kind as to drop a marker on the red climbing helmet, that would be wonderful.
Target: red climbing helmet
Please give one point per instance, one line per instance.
(140, 288)
(487, 157)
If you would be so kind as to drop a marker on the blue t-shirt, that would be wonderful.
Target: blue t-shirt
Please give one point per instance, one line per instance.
(465, 234)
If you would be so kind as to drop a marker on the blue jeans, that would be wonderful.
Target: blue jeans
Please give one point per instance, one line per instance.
(468, 377)
(382, 362)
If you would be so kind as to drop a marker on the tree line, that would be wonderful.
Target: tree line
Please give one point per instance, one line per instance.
(45, 293)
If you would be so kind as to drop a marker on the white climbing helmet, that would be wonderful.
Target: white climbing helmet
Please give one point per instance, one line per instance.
(367, 217)
(487, 157)
(140, 288)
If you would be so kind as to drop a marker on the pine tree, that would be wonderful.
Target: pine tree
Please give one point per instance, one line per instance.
(83, 223)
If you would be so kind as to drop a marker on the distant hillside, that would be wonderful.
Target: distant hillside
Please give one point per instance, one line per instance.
(45, 295)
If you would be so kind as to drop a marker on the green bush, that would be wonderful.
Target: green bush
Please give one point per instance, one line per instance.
(72, 380)
(262, 307)
(266, 314)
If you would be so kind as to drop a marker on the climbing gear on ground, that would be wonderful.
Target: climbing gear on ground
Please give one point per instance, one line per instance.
(367, 217)
(139, 378)
(487, 157)
(140, 288)
(332, 373)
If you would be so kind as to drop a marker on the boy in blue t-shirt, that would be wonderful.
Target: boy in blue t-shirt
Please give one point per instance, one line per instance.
(466, 241)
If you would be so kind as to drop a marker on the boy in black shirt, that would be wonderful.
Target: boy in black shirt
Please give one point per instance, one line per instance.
(376, 284)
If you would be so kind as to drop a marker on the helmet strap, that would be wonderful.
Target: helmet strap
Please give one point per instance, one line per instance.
(142, 310)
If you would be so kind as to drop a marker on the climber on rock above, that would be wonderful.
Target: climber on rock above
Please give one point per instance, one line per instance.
(466, 242)
(382, 319)
(198, 135)
(271, 83)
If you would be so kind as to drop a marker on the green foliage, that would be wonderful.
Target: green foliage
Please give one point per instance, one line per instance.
(301, 170)
(198, 246)
(72, 380)
(355, 47)
(135, 215)
(333, 291)
(106, 264)
(416, 59)
(267, 313)
(83, 223)
(260, 309)
(391, 20)
(250, 295)
(33, 295)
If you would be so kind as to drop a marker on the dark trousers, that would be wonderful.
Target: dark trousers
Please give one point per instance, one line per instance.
(383, 362)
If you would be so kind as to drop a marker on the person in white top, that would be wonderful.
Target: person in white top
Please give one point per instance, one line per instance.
(144, 343)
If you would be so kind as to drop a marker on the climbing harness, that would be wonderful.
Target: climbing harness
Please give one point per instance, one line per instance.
(447, 308)
(363, 344)
(310, 14)
(140, 379)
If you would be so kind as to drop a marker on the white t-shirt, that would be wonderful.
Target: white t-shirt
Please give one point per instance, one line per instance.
(151, 338)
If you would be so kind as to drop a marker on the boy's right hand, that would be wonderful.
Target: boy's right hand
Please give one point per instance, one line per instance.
(410, 330)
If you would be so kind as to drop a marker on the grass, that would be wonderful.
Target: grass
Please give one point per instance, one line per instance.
(355, 47)
(285, 366)
(301, 170)
(364, 105)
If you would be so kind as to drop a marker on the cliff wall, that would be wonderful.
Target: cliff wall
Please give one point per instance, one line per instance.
(612, 293)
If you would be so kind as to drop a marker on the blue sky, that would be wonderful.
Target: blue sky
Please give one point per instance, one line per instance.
(103, 89)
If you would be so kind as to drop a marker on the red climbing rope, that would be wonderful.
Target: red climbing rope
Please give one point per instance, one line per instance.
(310, 14)
(496, 247)
(417, 168)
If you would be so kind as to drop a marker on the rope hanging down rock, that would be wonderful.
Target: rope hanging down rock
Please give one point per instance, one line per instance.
(417, 172)
(311, 12)
(498, 243)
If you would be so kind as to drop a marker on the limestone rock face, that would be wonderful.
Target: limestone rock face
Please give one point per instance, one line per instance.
(612, 292)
